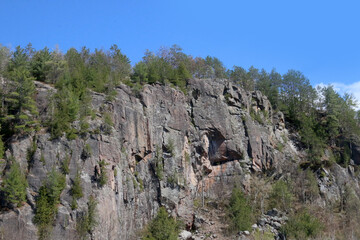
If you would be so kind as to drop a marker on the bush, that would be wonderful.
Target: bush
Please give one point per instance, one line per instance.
(15, 185)
(239, 211)
(103, 174)
(170, 147)
(87, 152)
(159, 166)
(162, 227)
(108, 123)
(76, 190)
(65, 165)
(301, 226)
(280, 196)
(86, 223)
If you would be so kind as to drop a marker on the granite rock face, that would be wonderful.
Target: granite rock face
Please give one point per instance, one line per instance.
(164, 149)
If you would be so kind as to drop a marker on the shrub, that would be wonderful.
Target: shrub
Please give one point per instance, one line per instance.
(87, 152)
(239, 211)
(103, 174)
(65, 165)
(15, 185)
(159, 166)
(162, 227)
(280, 196)
(86, 223)
(108, 123)
(301, 226)
(170, 147)
(76, 189)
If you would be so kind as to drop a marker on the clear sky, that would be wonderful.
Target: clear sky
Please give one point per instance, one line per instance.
(319, 38)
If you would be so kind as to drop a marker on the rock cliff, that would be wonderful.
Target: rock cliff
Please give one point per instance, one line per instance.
(164, 148)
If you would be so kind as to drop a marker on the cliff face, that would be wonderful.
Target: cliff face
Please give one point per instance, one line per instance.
(164, 148)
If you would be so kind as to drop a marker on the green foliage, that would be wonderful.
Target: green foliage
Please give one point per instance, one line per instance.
(42, 159)
(47, 201)
(263, 235)
(31, 151)
(302, 225)
(14, 185)
(108, 123)
(280, 146)
(2, 147)
(246, 79)
(239, 211)
(162, 227)
(256, 116)
(170, 147)
(65, 165)
(187, 157)
(20, 112)
(87, 152)
(281, 196)
(76, 190)
(159, 164)
(85, 224)
(103, 178)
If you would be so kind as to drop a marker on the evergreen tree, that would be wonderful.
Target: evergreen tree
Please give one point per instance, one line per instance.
(162, 227)
(21, 112)
(239, 211)
(15, 185)
(40, 64)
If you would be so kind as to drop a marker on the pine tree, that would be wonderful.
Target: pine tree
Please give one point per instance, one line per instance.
(15, 185)
(19, 102)
(162, 227)
(240, 212)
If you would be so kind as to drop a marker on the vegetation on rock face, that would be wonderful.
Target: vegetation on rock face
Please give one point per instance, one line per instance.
(302, 225)
(281, 196)
(14, 185)
(239, 211)
(85, 223)
(327, 123)
(162, 227)
(103, 178)
(47, 201)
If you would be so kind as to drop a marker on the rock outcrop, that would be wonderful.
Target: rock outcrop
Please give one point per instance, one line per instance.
(164, 149)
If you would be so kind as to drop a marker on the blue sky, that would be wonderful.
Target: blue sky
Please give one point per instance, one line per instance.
(319, 38)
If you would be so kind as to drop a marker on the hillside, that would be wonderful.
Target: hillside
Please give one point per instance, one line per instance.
(105, 153)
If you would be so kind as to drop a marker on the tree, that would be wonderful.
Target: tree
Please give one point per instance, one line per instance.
(332, 104)
(15, 185)
(297, 95)
(21, 108)
(240, 76)
(20, 59)
(281, 196)
(40, 64)
(76, 190)
(162, 227)
(120, 65)
(302, 225)
(269, 84)
(86, 223)
(47, 201)
(239, 211)
(4, 58)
